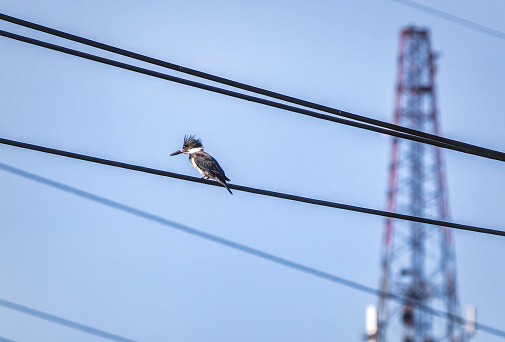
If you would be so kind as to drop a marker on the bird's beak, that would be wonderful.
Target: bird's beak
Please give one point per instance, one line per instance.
(176, 152)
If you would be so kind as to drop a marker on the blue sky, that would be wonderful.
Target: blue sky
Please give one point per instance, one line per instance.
(79, 260)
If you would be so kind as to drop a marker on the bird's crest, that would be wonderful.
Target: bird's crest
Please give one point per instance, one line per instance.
(191, 142)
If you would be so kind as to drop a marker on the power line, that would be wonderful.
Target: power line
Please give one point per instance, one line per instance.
(373, 124)
(251, 190)
(235, 84)
(235, 94)
(58, 320)
(499, 156)
(240, 247)
(453, 18)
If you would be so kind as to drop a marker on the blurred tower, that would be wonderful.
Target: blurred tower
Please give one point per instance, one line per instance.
(418, 261)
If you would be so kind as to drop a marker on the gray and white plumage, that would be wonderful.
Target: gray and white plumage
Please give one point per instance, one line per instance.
(202, 161)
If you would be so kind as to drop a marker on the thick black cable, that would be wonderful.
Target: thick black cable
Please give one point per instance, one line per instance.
(239, 85)
(240, 247)
(63, 321)
(410, 133)
(452, 17)
(251, 190)
(235, 94)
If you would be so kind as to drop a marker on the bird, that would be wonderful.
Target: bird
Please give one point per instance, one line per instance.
(202, 161)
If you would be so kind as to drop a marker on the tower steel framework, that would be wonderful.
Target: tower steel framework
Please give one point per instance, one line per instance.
(418, 260)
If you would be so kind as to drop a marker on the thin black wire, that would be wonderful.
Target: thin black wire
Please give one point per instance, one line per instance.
(58, 320)
(453, 18)
(390, 129)
(240, 95)
(251, 190)
(242, 248)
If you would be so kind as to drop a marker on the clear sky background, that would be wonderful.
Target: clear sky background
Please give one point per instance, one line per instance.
(80, 260)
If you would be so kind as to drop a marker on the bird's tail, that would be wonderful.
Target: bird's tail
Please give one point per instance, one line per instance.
(223, 183)
(227, 188)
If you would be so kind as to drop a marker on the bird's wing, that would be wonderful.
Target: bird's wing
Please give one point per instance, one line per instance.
(206, 162)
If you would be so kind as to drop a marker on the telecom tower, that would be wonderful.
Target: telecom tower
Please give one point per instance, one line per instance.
(418, 260)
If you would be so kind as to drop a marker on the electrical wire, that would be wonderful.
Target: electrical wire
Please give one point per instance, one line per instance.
(236, 84)
(453, 18)
(242, 248)
(61, 321)
(251, 190)
(242, 96)
(387, 128)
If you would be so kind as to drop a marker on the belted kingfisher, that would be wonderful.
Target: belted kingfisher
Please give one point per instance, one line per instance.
(202, 161)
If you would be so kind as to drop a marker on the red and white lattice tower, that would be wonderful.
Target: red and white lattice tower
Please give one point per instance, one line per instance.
(418, 260)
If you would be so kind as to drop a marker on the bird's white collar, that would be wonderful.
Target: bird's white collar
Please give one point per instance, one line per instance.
(194, 150)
